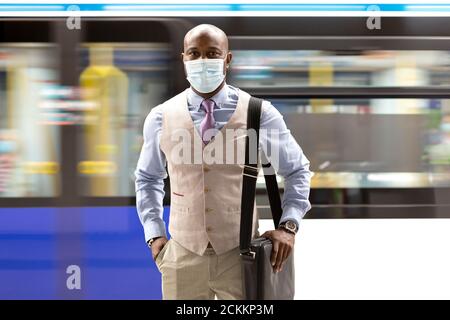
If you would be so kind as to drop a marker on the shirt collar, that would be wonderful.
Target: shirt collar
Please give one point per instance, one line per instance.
(195, 100)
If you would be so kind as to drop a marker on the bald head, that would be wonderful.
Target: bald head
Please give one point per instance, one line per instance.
(206, 33)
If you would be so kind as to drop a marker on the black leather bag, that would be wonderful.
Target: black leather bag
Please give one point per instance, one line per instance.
(259, 280)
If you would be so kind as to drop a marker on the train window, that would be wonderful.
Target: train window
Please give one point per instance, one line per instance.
(123, 81)
(303, 68)
(372, 143)
(29, 139)
(400, 143)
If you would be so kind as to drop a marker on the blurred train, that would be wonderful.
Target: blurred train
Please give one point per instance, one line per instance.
(370, 108)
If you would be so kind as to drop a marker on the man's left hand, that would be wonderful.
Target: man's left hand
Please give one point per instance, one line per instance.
(282, 245)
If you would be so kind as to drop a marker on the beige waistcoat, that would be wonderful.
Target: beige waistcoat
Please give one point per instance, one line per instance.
(205, 196)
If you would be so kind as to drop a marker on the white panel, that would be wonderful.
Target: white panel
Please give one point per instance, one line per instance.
(372, 259)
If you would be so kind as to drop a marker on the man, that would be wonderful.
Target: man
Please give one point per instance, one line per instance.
(201, 260)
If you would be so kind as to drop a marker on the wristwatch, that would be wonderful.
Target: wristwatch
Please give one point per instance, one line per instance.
(289, 226)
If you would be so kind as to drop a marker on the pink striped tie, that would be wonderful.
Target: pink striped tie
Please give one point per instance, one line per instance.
(208, 122)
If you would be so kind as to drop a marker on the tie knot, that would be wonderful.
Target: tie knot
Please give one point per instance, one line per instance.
(208, 105)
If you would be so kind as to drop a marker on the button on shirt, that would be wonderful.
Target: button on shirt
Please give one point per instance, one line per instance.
(150, 172)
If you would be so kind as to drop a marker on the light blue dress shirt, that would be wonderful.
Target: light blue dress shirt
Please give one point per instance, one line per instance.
(292, 164)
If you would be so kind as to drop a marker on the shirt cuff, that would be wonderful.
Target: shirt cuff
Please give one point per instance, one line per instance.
(292, 213)
(153, 229)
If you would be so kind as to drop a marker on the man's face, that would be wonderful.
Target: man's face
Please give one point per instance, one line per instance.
(206, 45)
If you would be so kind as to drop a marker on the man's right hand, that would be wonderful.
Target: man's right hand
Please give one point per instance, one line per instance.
(157, 245)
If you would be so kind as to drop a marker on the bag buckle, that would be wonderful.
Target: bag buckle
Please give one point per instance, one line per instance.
(248, 253)
(250, 171)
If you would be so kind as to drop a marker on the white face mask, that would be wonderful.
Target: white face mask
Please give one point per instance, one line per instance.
(205, 75)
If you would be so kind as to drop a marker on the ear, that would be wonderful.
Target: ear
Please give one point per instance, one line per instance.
(182, 61)
(228, 60)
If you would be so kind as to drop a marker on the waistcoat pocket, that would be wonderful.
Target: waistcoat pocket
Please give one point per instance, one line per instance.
(234, 209)
(178, 209)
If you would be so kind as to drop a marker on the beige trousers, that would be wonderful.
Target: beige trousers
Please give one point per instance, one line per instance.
(186, 275)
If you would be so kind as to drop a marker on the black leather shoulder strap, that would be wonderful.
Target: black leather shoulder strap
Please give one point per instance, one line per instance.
(249, 180)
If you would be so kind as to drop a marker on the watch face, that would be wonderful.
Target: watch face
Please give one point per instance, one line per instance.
(291, 225)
